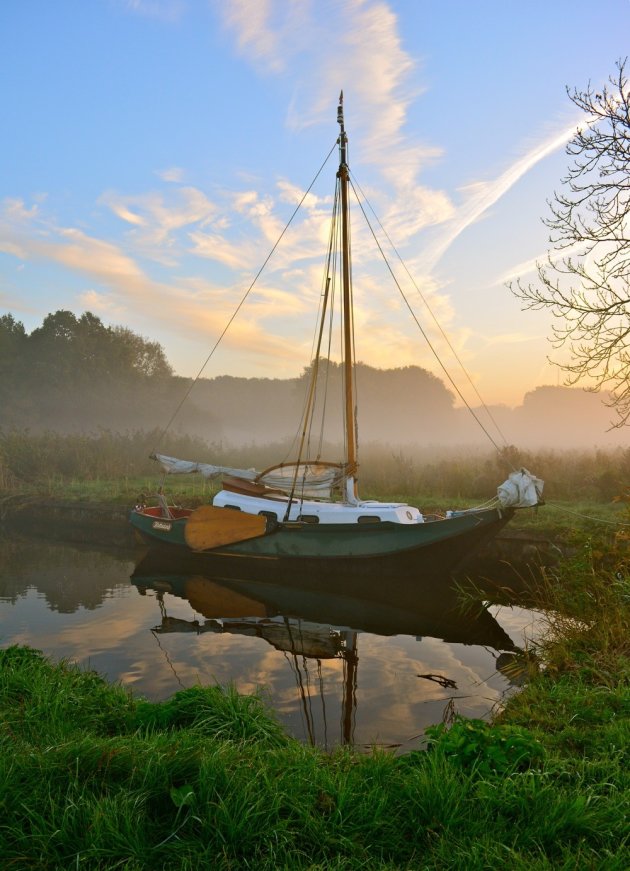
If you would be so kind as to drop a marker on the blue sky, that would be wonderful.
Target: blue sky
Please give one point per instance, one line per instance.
(153, 150)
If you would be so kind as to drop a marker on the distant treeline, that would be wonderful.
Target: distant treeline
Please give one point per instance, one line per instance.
(76, 375)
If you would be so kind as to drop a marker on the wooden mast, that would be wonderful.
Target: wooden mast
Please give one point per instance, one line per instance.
(351, 441)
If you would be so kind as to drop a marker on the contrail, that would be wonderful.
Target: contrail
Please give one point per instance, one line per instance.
(489, 193)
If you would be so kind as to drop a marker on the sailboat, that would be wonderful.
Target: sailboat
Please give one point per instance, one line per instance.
(306, 515)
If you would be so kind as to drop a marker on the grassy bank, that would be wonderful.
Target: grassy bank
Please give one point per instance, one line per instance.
(94, 778)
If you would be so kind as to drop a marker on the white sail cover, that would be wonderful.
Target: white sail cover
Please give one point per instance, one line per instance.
(521, 490)
(307, 480)
(173, 466)
(312, 480)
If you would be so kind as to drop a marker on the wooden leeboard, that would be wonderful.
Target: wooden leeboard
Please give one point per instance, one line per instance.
(209, 527)
(214, 601)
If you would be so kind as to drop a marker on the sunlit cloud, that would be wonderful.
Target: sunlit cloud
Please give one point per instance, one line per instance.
(157, 217)
(191, 308)
(175, 174)
(162, 214)
(262, 30)
(291, 193)
(356, 47)
(15, 211)
(216, 247)
(77, 251)
(10, 247)
(102, 304)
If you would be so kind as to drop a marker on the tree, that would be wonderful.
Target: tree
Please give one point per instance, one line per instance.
(67, 350)
(585, 281)
(12, 338)
(139, 356)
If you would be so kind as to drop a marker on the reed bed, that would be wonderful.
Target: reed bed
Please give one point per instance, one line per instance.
(51, 460)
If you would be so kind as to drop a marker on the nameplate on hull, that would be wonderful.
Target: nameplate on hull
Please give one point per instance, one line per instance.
(162, 525)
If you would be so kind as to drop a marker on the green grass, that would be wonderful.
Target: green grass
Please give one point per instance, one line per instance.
(91, 777)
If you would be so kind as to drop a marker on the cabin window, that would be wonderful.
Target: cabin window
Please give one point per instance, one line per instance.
(368, 518)
(308, 518)
(271, 515)
(233, 507)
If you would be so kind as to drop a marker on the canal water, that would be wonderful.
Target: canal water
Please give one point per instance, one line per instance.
(373, 668)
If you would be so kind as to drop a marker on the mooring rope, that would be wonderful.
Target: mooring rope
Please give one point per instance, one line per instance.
(586, 516)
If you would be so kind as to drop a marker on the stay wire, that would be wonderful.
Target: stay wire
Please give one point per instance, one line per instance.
(435, 320)
(419, 325)
(246, 294)
(314, 344)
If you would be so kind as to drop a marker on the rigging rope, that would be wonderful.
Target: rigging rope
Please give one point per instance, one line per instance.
(314, 358)
(241, 303)
(435, 320)
(309, 410)
(419, 325)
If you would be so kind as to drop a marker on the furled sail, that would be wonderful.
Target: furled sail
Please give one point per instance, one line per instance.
(313, 480)
(521, 490)
(173, 466)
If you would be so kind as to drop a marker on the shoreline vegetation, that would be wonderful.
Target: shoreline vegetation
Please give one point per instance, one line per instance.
(93, 777)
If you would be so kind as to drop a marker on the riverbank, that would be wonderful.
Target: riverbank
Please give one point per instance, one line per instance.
(93, 777)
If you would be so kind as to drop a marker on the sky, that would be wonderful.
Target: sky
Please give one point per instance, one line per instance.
(152, 151)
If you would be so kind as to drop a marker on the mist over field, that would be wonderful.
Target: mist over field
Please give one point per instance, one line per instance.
(396, 407)
(75, 375)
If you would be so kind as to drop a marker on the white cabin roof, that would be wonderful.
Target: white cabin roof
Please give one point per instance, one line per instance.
(320, 512)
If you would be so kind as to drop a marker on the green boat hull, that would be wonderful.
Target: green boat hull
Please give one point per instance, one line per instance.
(335, 550)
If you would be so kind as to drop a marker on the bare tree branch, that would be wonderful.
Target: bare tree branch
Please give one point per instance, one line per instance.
(585, 281)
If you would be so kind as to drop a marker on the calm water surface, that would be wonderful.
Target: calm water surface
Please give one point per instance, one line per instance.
(370, 669)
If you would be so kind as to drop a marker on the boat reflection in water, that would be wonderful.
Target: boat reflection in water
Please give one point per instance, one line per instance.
(310, 622)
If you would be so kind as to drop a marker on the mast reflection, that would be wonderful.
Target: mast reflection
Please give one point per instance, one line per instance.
(311, 623)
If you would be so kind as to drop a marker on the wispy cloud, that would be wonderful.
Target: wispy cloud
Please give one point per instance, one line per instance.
(188, 307)
(481, 196)
(520, 270)
(263, 30)
(172, 174)
(354, 46)
(155, 218)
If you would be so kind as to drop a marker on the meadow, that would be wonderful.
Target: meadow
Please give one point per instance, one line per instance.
(51, 460)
